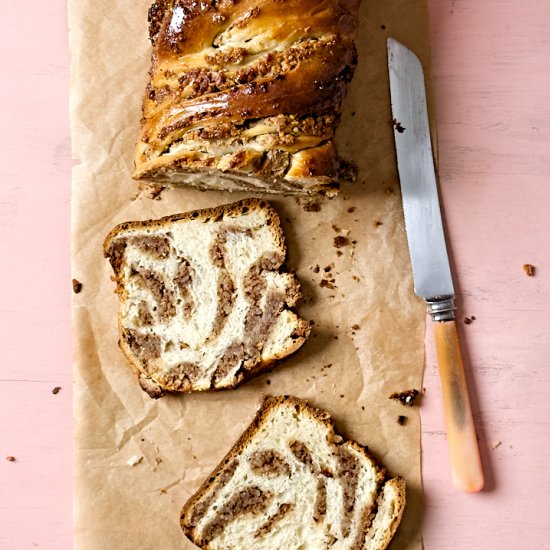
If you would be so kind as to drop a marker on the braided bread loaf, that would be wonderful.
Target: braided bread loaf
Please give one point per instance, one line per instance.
(203, 299)
(291, 483)
(246, 94)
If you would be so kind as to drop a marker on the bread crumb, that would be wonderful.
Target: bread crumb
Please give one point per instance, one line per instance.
(398, 126)
(163, 491)
(406, 398)
(529, 270)
(56, 390)
(340, 241)
(496, 444)
(155, 191)
(10, 458)
(312, 207)
(325, 283)
(355, 327)
(134, 460)
(401, 420)
(316, 269)
(335, 228)
(77, 286)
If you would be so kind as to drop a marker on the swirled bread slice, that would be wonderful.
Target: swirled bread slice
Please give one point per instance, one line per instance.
(290, 482)
(204, 303)
(246, 95)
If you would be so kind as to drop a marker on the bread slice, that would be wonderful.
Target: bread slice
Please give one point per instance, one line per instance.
(247, 95)
(291, 483)
(204, 302)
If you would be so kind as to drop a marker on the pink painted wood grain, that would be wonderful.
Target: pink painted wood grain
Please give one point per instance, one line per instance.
(491, 65)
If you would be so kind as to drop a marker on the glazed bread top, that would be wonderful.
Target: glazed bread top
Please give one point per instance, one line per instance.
(252, 75)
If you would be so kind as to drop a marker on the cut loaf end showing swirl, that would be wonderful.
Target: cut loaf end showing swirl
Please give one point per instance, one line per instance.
(247, 95)
(291, 482)
(204, 302)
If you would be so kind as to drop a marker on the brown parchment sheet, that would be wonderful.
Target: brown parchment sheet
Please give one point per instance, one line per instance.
(369, 328)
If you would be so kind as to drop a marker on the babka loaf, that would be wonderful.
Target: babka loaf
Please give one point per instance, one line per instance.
(246, 95)
(203, 299)
(289, 483)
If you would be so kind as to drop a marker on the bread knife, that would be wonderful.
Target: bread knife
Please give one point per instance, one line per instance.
(428, 252)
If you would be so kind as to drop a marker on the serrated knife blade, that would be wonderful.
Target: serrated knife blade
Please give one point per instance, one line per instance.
(429, 258)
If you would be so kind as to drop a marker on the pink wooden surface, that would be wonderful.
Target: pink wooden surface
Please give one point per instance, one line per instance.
(491, 63)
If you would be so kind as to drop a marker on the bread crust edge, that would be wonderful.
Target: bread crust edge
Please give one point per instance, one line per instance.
(269, 404)
(303, 329)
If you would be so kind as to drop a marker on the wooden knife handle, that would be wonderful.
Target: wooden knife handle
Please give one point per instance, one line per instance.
(463, 448)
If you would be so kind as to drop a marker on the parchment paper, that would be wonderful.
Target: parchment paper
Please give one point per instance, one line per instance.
(181, 438)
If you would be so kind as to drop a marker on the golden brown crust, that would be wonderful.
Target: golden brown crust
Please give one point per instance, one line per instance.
(302, 407)
(234, 65)
(400, 487)
(157, 388)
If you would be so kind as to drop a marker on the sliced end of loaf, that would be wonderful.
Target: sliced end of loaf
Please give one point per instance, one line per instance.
(291, 480)
(204, 302)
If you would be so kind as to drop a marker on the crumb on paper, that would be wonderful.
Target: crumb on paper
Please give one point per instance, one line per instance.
(407, 397)
(496, 444)
(340, 241)
(356, 278)
(56, 390)
(155, 191)
(134, 460)
(77, 286)
(163, 491)
(312, 206)
(398, 126)
(316, 269)
(401, 420)
(355, 327)
(339, 253)
(529, 270)
(10, 458)
(328, 283)
(348, 171)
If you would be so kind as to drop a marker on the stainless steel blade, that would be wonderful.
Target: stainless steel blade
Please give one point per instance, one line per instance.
(430, 262)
